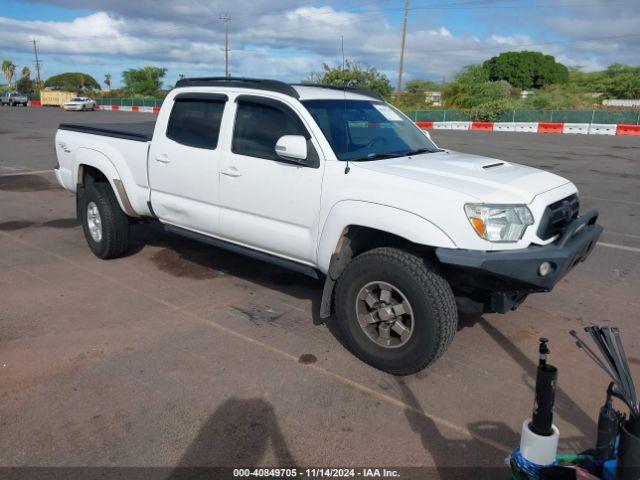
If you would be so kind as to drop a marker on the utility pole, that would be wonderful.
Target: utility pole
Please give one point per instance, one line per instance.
(225, 18)
(37, 63)
(404, 37)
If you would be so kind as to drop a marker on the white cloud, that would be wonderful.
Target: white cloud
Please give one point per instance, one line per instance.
(288, 39)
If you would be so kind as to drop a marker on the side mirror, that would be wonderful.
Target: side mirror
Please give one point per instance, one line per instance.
(292, 148)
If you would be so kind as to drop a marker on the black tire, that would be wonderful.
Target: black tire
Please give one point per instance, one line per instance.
(435, 316)
(115, 223)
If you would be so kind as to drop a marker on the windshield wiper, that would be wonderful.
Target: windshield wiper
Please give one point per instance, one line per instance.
(419, 151)
(375, 156)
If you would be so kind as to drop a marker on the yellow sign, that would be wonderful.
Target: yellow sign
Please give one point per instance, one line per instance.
(55, 97)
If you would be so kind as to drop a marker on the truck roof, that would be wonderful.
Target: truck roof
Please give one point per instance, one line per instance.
(299, 91)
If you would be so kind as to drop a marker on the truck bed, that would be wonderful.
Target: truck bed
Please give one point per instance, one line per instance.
(139, 132)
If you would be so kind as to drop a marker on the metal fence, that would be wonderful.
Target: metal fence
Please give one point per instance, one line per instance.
(628, 117)
(130, 102)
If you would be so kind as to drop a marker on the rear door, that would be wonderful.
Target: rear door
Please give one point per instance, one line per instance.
(269, 203)
(184, 161)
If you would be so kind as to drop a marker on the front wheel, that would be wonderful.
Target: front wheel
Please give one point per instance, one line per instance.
(394, 312)
(105, 225)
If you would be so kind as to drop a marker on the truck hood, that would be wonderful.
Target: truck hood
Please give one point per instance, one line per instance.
(488, 179)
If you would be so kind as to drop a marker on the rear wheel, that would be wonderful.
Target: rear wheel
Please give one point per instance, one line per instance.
(105, 225)
(395, 312)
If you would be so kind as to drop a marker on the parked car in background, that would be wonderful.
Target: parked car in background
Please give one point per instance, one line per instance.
(80, 103)
(13, 98)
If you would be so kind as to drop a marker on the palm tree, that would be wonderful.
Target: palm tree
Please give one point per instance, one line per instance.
(26, 73)
(9, 70)
(107, 81)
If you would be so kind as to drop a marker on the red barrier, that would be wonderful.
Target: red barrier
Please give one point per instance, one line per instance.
(134, 109)
(633, 130)
(156, 110)
(425, 125)
(115, 107)
(483, 126)
(550, 127)
(35, 103)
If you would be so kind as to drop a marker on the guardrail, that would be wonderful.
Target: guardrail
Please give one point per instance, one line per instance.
(538, 127)
(627, 117)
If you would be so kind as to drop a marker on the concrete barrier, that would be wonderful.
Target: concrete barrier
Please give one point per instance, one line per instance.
(504, 127)
(425, 125)
(482, 126)
(633, 130)
(528, 127)
(442, 125)
(460, 125)
(548, 127)
(580, 128)
(602, 129)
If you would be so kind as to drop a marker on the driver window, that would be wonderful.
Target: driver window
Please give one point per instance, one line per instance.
(259, 125)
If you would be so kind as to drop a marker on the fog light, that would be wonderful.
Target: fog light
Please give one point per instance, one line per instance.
(545, 269)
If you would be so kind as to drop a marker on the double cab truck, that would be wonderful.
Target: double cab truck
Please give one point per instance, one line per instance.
(336, 184)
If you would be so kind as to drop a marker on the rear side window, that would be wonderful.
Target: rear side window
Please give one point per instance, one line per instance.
(195, 122)
(259, 126)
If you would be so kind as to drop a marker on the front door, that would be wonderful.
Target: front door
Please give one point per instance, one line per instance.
(269, 203)
(184, 163)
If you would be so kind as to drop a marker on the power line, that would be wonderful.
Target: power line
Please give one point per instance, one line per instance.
(404, 38)
(226, 18)
(37, 62)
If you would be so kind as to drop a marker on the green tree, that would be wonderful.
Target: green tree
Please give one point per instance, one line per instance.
(73, 81)
(26, 72)
(9, 70)
(473, 92)
(413, 95)
(107, 80)
(354, 75)
(145, 81)
(526, 69)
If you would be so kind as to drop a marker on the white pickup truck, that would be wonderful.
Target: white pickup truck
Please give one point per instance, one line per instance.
(336, 184)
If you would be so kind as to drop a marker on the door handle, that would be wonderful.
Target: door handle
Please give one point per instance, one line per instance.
(231, 172)
(162, 158)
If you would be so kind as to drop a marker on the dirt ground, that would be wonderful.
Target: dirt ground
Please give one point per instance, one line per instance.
(181, 354)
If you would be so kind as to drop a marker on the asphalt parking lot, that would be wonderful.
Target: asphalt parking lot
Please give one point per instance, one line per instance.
(184, 355)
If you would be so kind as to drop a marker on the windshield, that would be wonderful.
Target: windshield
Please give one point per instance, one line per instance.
(77, 99)
(367, 130)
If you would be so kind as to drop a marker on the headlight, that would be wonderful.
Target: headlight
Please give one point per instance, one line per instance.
(499, 223)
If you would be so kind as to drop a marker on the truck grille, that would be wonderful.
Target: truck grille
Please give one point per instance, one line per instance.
(557, 216)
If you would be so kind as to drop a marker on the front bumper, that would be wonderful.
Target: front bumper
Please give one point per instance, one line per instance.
(519, 268)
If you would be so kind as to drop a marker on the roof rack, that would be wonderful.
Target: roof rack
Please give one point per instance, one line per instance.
(239, 82)
(362, 91)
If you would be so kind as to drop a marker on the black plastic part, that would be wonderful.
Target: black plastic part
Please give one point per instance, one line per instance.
(521, 266)
(138, 132)
(557, 216)
(628, 467)
(200, 97)
(546, 380)
(608, 428)
(249, 252)
(257, 83)
(362, 91)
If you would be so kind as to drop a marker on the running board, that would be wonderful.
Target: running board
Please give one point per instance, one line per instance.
(249, 252)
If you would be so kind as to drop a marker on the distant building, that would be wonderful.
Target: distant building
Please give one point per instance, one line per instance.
(629, 103)
(433, 98)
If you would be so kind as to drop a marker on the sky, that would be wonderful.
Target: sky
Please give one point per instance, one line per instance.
(287, 40)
